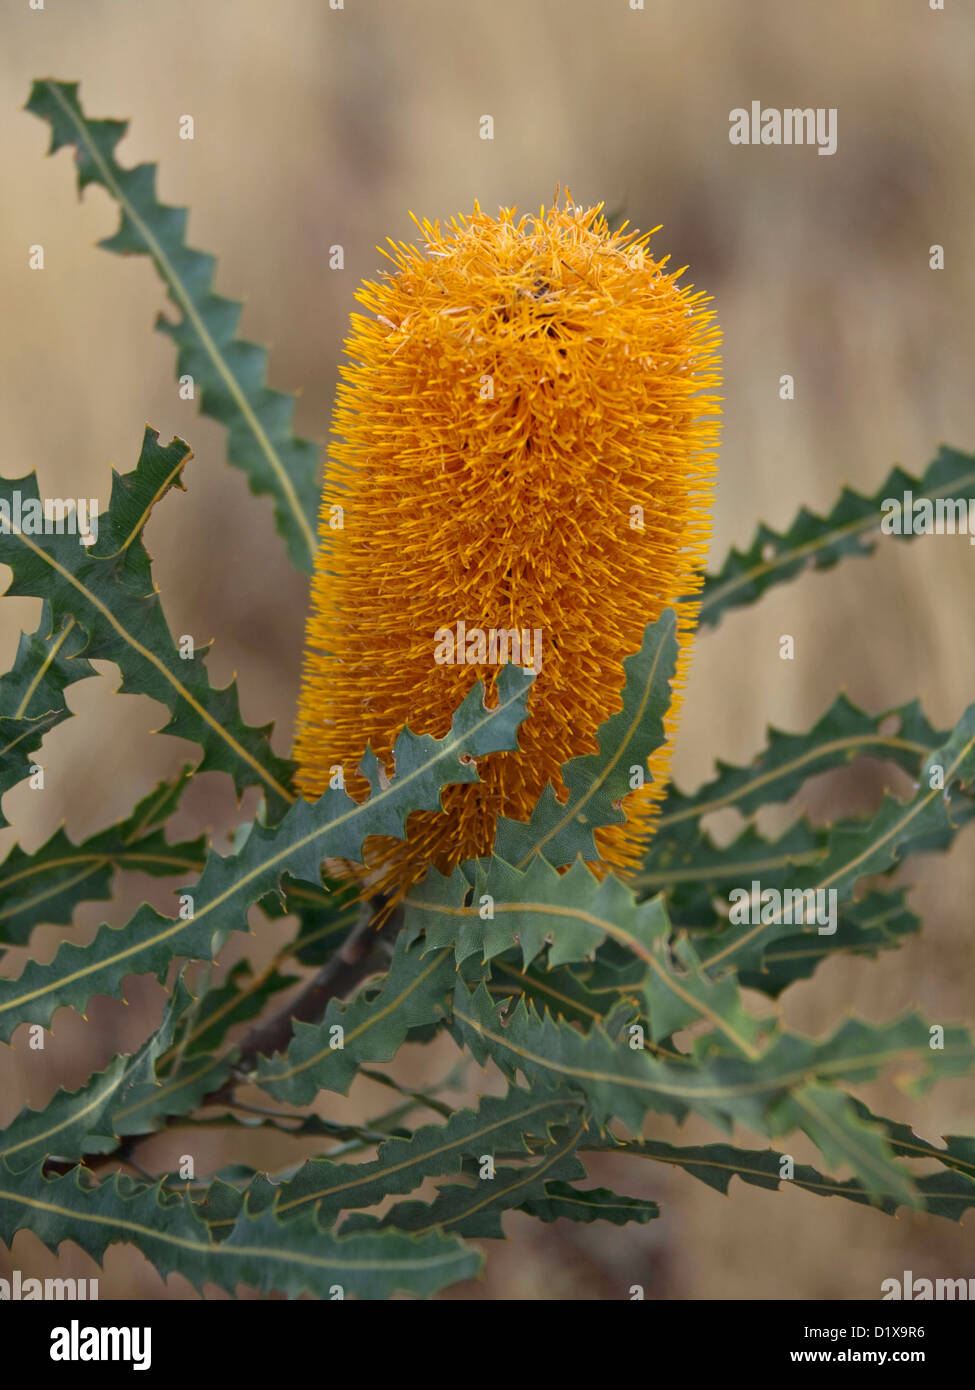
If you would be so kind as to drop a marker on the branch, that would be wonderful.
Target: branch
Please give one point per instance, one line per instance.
(337, 977)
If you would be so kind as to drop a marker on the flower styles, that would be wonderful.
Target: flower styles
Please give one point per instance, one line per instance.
(525, 439)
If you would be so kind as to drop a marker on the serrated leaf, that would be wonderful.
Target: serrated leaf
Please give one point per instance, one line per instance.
(48, 660)
(326, 914)
(876, 923)
(46, 886)
(335, 826)
(842, 1136)
(87, 1121)
(618, 1080)
(564, 1202)
(242, 997)
(180, 1092)
(598, 782)
(871, 846)
(261, 1252)
(707, 870)
(677, 994)
(716, 1164)
(515, 908)
(475, 1210)
(414, 993)
(561, 990)
(228, 371)
(949, 1194)
(32, 693)
(699, 901)
(845, 732)
(20, 741)
(622, 1082)
(435, 1150)
(576, 912)
(108, 589)
(815, 542)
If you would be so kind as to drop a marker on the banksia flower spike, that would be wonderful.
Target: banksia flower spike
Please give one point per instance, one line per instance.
(525, 440)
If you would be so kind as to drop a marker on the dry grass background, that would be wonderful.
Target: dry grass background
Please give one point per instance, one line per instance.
(315, 127)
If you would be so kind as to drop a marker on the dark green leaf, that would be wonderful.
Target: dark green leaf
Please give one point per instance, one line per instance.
(228, 371)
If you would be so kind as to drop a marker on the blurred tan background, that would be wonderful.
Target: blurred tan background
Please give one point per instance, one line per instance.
(316, 127)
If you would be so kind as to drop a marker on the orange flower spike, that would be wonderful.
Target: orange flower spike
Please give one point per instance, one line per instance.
(525, 440)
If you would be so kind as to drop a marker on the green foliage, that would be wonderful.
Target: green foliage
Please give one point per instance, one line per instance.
(228, 371)
(335, 826)
(432, 1151)
(107, 590)
(92, 1119)
(47, 886)
(817, 542)
(599, 1002)
(297, 1256)
(32, 694)
(374, 1027)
